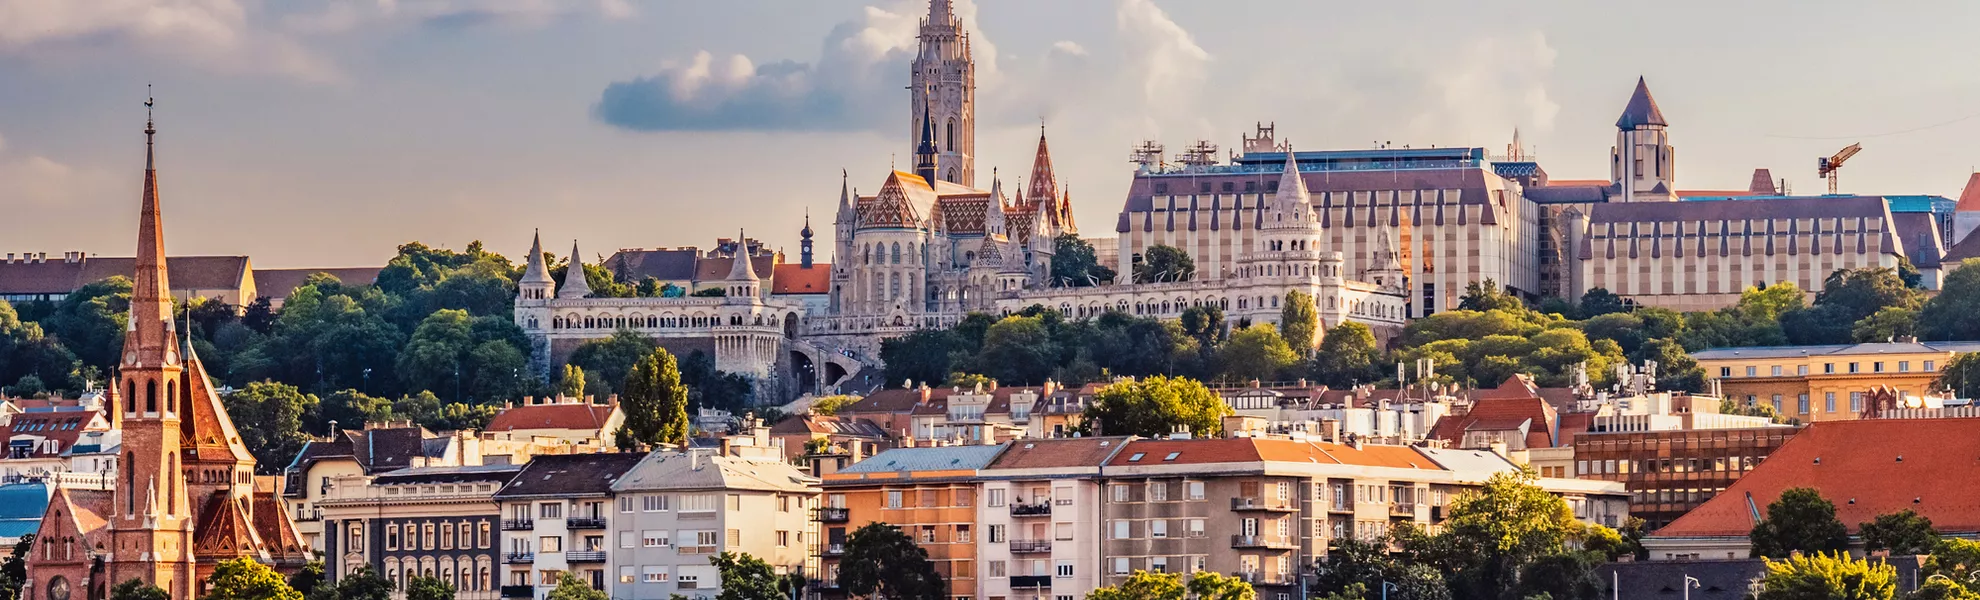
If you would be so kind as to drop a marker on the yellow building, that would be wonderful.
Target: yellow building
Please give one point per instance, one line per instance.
(1827, 382)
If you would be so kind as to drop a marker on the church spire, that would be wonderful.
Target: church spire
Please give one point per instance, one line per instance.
(1044, 184)
(150, 335)
(924, 154)
(575, 285)
(535, 271)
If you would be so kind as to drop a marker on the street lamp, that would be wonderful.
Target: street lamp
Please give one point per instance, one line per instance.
(1689, 582)
(1385, 589)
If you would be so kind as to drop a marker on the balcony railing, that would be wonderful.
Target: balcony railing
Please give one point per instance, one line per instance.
(1031, 581)
(1263, 541)
(834, 515)
(518, 524)
(1403, 509)
(1265, 504)
(588, 556)
(519, 557)
(1259, 578)
(309, 516)
(696, 549)
(834, 549)
(518, 591)
(1031, 546)
(1041, 509)
(585, 523)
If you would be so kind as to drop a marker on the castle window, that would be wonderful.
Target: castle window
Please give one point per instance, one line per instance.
(150, 396)
(950, 136)
(897, 253)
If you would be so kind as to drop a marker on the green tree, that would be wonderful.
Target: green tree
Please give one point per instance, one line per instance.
(1949, 315)
(713, 292)
(1205, 323)
(1494, 533)
(1154, 406)
(1211, 585)
(709, 387)
(1075, 265)
(1164, 263)
(13, 571)
(1902, 533)
(1955, 558)
(428, 588)
(307, 578)
(247, 579)
(1348, 355)
(1255, 352)
(1351, 564)
(1827, 576)
(137, 589)
(1600, 301)
(1018, 349)
(569, 587)
(90, 321)
(571, 384)
(1484, 296)
(881, 562)
(269, 417)
(830, 405)
(365, 584)
(1801, 520)
(925, 355)
(1563, 576)
(1299, 322)
(611, 359)
(746, 577)
(1143, 585)
(1888, 323)
(1859, 293)
(1940, 588)
(655, 402)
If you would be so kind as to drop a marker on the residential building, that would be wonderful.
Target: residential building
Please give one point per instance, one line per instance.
(1866, 468)
(422, 521)
(41, 439)
(375, 450)
(1670, 472)
(556, 516)
(1828, 382)
(675, 509)
(581, 424)
(855, 436)
(1041, 502)
(930, 494)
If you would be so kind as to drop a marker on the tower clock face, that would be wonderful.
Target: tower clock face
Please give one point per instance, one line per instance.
(58, 588)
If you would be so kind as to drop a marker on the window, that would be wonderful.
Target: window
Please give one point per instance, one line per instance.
(1725, 371)
(466, 535)
(625, 539)
(625, 504)
(893, 498)
(654, 503)
(1929, 365)
(550, 543)
(1119, 492)
(962, 534)
(1801, 369)
(654, 538)
(996, 534)
(426, 536)
(704, 538)
(1158, 491)
(1777, 403)
(927, 534)
(1062, 531)
(1877, 367)
(783, 539)
(485, 537)
(1904, 366)
(1122, 530)
(997, 497)
(625, 574)
(550, 510)
(655, 574)
(1829, 401)
(1159, 564)
(1856, 402)
(1120, 566)
(1158, 529)
(392, 537)
(700, 503)
(1853, 369)
(735, 537)
(1828, 368)
(1196, 528)
(1801, 404)
(996, 569)
(1752, 371)
(1193, 490)
(1777, 371)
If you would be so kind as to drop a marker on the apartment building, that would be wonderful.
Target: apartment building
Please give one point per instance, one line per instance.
(556, 514)
(1828, 382)
(1669, 472)
(429, 521)
(674, 510)
(931, 494)
(1262, 509)
(1041, 510)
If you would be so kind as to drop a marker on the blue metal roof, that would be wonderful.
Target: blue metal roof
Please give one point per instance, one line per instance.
(945, 458)
(21, 507)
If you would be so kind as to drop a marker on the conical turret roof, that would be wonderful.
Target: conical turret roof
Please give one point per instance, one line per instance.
(740, 269)
(1642, 109)
(534, 271)
(575, 285)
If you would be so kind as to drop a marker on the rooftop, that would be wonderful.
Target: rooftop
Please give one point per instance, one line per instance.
(1867, 348)
(941, 458)
(570, 474)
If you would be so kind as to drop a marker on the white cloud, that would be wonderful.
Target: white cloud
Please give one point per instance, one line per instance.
(217, 34)
(1166, 61)
(341, 16)
(40, 181)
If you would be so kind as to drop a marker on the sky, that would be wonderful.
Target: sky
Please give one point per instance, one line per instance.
(312, 133)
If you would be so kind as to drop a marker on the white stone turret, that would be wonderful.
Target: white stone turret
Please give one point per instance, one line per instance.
(743, 284)
(536, 284)
(1385, 266)
(575, 285)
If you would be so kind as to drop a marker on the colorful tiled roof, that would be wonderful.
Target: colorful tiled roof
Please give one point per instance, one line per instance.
(793, 278)
(552, 416)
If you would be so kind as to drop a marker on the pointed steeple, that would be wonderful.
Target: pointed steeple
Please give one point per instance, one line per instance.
(924, 154)
(846, 211)
(1292, 188)
(1642, 109)
(150, 336)
(993, 212)
(740, 269)
(575, 285)
(1044, 184)
(535, 271)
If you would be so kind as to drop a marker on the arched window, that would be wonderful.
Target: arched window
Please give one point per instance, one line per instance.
(130, 482)
(897, 253)
(951, 134)
(130, 396)
(150, 396)
(172, 395)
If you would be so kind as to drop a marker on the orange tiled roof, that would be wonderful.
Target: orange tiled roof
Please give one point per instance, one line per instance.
(1867, 468)
(1969, 199)
(1143, 453)
(552, 416)
(793, 278)
(1059, 452)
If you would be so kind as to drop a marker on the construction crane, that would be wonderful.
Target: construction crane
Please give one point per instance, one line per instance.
(1828, 167)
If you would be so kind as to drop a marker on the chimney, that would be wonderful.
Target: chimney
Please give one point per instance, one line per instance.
(10, 257)
(42, 257)
(612, 400)
(993, 385)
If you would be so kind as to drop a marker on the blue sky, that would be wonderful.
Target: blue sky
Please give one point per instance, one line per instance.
(315, 133)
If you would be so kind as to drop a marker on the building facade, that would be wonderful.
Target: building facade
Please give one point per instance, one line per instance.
(439, 522)
(1829, 382)
(557, 518)
(674, 510)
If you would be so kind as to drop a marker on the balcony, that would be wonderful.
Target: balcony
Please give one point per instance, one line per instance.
(589, 556)
(1031, 581)
(1041, 509)
(695, 549)
(1402, 510)
(519, 557)
(1341, 507)
(834, 515)
(1031, 546)
(1258, 578)
(1264, 541)
(309, 516)
(1263, 504)
(585, 523)
(1436, 514)
(518, 524)
(518, 591)
(833, 549)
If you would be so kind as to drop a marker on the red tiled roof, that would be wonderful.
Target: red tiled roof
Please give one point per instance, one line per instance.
(892, 400)
(793, 278)
(1867, 468)
(62, 427)
(552, 416)
(717, 269)
(1576, 182)
(1969, 198)
(1061, 452)
(1517, 398)
(1188, 452)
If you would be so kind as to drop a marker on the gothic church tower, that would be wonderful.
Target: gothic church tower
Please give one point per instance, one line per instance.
(943, 88)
